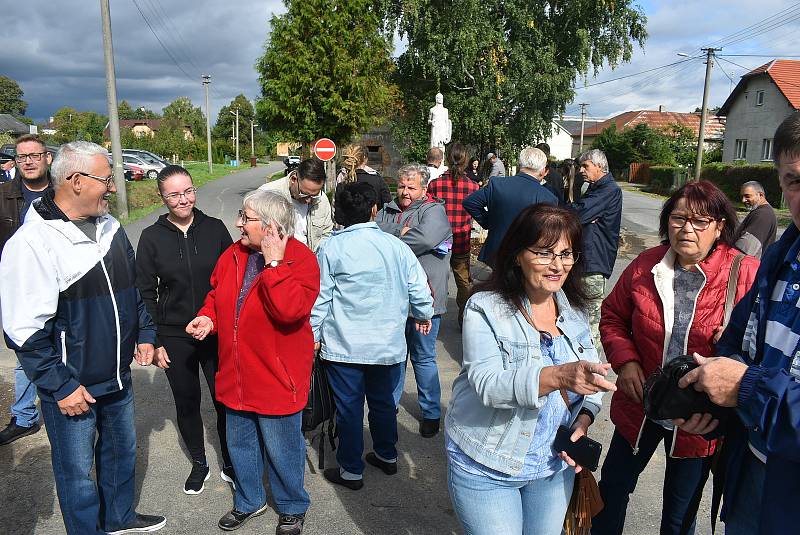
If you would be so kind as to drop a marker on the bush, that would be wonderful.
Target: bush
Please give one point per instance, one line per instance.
(729, 178)
(663, 178)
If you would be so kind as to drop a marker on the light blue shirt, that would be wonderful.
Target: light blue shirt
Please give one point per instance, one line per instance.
(370, 282)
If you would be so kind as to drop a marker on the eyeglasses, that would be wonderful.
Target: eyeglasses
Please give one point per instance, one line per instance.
(107, 180)
(244, 219)
(698, 223)
(544, 258)
(174, 197)
(35, 156)
(301, 195)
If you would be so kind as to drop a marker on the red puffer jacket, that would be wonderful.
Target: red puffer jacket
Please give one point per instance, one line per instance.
(633, 319)
(265, 357)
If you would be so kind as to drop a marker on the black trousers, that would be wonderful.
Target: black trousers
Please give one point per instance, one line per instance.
(188, 357)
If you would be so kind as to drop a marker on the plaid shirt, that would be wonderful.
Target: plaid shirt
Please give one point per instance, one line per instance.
(453, 197)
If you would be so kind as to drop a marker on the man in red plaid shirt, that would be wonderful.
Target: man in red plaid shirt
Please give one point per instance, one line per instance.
(453, 187)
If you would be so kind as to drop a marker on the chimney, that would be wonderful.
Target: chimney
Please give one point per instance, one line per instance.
(661, 109)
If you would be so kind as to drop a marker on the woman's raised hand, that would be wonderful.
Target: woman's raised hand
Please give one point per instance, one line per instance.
(584, 377)
(273, 245)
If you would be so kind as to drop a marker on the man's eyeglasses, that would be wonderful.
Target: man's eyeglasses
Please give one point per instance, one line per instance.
(174, 197)
(698, 223)
(107, 180)
(301, 195)
(544, 258)
(35, 156)
(244, 219)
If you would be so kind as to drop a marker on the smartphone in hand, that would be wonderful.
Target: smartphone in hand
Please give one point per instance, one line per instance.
(586, 452)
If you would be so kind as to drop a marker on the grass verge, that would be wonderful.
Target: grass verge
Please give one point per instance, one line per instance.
(143, 197)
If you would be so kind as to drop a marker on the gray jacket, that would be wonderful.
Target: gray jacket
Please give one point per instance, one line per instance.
(320, 217)
(429, 228)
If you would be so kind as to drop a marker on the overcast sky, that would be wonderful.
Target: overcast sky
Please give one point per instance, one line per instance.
(55, 52)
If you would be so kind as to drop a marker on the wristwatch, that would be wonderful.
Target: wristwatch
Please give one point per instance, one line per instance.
(274, 263)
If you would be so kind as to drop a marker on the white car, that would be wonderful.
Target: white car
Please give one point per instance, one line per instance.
(151, 168)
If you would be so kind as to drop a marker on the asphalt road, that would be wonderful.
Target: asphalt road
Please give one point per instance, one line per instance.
(415, 501)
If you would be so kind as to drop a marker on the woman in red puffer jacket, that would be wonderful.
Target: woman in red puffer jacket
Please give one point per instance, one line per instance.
(668, 302)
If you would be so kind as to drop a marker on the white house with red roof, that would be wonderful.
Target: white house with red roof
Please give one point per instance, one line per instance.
(762, 99)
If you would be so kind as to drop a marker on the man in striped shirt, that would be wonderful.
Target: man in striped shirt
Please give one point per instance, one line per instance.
(760, 379)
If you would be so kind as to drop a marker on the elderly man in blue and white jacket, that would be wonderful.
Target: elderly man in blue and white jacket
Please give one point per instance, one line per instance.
(71, 267)
(760, 379)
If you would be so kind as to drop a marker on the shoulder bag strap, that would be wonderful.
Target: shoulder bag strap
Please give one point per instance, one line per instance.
(530, 321)
(730, 294)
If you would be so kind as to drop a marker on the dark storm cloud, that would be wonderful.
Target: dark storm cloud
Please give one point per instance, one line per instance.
(55, 52)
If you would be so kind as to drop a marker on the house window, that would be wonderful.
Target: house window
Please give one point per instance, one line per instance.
(759, 98)
(766, 149)
(741, 149)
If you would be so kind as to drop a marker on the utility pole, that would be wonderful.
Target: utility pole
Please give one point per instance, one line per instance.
(236, 134)
(113, 115)
(704, 111)
(252, 139)
(583, 120)
(206, 81)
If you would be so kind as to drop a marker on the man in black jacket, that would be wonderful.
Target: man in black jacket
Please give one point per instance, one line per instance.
(31, 180)
(600, 212)
(552, 181)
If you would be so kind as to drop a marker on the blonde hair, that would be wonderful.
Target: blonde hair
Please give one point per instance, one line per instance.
(353, 155)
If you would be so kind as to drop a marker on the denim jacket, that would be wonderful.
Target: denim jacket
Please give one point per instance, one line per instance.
(370, 282)
(495, 403)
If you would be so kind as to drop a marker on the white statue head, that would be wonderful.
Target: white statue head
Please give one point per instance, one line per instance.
(439, 98)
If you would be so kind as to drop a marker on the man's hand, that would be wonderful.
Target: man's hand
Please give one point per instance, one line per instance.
(698, 424)
(144, 354)
(718, 333)
(200, 327)
(423, 326)
(161, 358)
(317, 345)
(631, 380)
(76, 403)
(719, 377)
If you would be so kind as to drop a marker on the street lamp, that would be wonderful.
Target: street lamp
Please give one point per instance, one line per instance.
(236, 113)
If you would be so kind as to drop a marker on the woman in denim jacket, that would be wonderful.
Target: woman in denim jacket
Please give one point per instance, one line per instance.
(527, 344)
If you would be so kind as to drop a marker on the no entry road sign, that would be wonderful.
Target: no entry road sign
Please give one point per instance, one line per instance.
(325, 149)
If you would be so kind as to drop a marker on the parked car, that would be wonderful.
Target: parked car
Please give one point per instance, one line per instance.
(291, 163)
(146, 155)
(150, 169)
(131, 172)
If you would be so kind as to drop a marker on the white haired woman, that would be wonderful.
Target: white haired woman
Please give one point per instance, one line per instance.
(262, 292)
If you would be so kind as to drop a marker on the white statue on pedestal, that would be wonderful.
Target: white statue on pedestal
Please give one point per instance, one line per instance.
(441, 126)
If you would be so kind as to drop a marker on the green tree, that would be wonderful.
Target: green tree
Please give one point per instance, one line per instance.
(72, 125)
(226, 120)
(124, 111)
(325, 70)
(11, 97)
(181, 112)
(505, 67)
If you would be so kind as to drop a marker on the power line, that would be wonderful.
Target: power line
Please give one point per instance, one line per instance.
(136, 3)
(752, 26)
(763, 31)
(762, 26)
(637, 73)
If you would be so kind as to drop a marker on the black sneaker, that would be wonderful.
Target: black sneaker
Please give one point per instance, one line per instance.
(195, 483)
(334, 476)
(388, 468)
(429, 427)
(290, 524)
(235, 519)
(142, 524)
(227, 474)
(13, 431)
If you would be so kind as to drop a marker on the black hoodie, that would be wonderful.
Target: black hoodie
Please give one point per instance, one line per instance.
(173, 269)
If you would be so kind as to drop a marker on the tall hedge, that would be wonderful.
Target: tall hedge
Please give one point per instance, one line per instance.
(729, 178)
(662, 179)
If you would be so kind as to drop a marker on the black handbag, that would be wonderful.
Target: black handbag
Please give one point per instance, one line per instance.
(320, 410)
(665, 400)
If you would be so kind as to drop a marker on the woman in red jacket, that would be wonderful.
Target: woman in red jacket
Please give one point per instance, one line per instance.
(262, 292)
(668, 302)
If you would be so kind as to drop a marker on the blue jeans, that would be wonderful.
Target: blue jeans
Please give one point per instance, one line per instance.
(351, 383)
(742, 516)
(84, 504)
(255, 439)
(24, 407)
(422, 349)
(620, 473)
(486, 506)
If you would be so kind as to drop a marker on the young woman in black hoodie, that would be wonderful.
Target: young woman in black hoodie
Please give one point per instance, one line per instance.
(174, 261)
